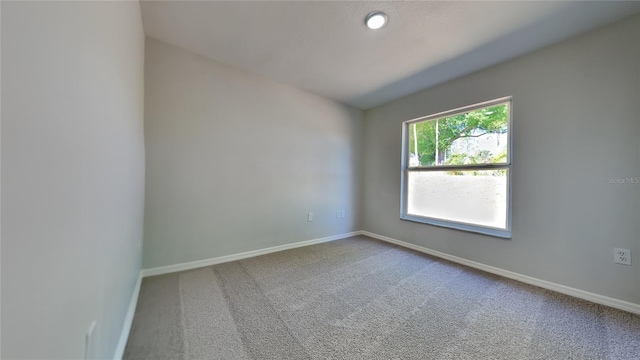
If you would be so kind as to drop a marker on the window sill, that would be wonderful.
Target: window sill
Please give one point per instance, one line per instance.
(503, 234)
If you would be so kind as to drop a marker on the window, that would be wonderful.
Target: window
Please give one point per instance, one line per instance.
(456, 168)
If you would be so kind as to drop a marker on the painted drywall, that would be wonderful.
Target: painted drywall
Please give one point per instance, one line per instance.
(72, 174)
(576, 125)
(235, 161)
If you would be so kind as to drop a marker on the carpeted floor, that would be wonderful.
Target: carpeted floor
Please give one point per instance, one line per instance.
(360, 298)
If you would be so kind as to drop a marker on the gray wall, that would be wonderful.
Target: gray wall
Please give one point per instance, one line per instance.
(72, 174)
(235, 161)
(576, 111)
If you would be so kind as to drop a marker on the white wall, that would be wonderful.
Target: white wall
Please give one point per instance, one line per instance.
(72, 174)
(235, 161)
(576, 123)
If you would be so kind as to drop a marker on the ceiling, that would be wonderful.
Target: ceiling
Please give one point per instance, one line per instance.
(324, 47)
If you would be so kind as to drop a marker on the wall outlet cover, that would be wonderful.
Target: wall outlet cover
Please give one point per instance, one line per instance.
(622, 256)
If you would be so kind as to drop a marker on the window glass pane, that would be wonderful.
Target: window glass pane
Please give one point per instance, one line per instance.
(470, 196)
(475, 137)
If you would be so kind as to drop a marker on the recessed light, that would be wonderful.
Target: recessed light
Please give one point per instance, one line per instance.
(375, 20)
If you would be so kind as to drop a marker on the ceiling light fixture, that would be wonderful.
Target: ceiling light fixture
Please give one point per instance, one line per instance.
(375, 20)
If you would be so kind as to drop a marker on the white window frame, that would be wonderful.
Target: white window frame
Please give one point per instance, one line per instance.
(406, 168)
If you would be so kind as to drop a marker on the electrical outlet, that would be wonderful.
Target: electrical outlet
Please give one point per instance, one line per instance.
(622, 256)
(344, 214)
(310, 217)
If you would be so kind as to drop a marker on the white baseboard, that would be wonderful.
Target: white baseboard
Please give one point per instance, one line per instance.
(585, 295)
(128, 320)
(222, 259)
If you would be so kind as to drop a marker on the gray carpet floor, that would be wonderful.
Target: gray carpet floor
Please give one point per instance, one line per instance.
(360, 298)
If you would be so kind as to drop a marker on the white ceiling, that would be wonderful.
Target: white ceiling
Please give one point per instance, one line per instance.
(324, 47)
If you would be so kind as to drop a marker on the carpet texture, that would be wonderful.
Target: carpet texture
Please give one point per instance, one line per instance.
(360, 298)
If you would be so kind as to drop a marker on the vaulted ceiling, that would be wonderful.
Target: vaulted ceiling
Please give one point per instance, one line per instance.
(324, 47)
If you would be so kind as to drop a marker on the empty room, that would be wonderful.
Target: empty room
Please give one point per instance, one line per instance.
(320, 180)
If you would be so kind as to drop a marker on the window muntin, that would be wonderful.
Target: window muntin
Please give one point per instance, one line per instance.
(462, 182)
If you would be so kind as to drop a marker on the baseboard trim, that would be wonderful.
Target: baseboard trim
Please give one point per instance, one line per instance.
(222, 259)
(128, 320)
(581, 294)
